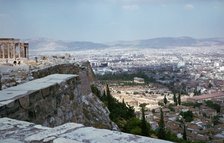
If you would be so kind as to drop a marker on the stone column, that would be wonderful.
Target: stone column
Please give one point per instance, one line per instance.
(19, 50)
(27, 52)
(3, 51)
(24, 51)
(8, 50)
(14, 50)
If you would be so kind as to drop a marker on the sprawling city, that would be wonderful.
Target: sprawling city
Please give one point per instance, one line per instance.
(113, 71)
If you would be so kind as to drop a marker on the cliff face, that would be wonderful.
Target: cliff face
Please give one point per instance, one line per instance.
(57, 98)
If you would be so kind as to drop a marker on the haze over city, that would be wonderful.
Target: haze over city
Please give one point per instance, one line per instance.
(111, 20)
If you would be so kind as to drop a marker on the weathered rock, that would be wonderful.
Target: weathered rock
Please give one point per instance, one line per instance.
(0, 81)
(15, 131)
(55, 100)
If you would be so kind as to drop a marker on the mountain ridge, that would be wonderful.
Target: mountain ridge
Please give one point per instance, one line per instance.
(161, 42)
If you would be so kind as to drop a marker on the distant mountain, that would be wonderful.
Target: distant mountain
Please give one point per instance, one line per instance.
(52, 45)
(164, 42)
(169, 42)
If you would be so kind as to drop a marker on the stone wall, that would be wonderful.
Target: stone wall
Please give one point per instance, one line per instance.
(84, 70)
(69, 68)
(59, 103)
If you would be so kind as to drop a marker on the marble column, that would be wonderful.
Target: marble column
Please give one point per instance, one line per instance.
(27, 52)
(3, 51)
(14, 50)
(19, 50)
(1, 54)
(8, 51)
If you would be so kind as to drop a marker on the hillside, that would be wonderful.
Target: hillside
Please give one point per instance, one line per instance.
(44, 44)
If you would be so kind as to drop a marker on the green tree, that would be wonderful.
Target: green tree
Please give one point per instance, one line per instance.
(212, 105)
(175, 99)
(103, 97)
(184, 133)
(133, 126)
(120, 113)
(188, 115)
(179, 99)
(165, 100)
(109, 98)
(123, 103)
(95, 90)
(161, 130)
(215, 120)
(144, 127)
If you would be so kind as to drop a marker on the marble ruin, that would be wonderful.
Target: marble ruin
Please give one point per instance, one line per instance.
(13, 49)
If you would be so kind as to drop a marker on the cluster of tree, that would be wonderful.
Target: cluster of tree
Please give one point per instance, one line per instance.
(215, 120)
(166, 134)
(193, 104)
(176, 88)
(197, 92)
(123, 115)
(212, 105)
(188, 115)
(124, 76)
(176, 100)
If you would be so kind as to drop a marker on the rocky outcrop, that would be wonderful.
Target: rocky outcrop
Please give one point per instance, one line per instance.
(84, 70)
(0, 81)
(55, 100)
(15, 131)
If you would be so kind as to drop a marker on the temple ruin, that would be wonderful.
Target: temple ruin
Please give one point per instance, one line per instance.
(12, 49)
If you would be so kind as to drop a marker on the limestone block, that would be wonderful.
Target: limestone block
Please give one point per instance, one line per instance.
(24, 102)
(45, 92)
(35, 96)
(13, 107)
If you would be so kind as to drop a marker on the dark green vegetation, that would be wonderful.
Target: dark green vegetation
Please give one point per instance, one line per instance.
(188, 116)
(179, 99)
(165, 100)
(166, 134)
(192, 104)
(175, 99)
(212, 105)
(125, 77)
(161, 130)
(144, 125)
(184, 133)
(123, 115)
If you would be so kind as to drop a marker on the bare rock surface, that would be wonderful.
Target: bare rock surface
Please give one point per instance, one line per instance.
(12, 131)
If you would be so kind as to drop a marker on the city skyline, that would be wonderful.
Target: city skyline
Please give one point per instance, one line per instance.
(111, 20)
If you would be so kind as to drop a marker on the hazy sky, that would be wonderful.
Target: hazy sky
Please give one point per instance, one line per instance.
(111, 20)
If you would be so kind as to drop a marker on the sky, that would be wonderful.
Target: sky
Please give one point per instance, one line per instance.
(111, 20)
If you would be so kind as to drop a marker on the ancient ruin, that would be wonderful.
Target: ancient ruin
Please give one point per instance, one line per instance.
(13, 49)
